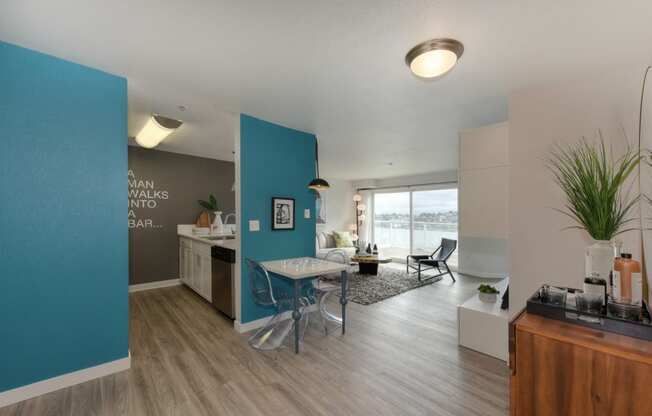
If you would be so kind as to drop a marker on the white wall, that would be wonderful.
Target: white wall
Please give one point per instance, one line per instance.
(539, 250)
(339, 206)
(483, 201)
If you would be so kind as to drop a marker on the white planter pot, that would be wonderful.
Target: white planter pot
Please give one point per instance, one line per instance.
(599, 259)
(488, 297)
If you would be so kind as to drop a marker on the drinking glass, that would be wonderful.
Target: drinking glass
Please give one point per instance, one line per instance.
(589, 302)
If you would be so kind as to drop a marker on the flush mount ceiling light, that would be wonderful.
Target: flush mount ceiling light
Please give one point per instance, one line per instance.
(433, 58)
(156, 129)
(318, 184)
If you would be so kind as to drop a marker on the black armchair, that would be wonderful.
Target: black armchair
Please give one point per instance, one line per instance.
(436, 260)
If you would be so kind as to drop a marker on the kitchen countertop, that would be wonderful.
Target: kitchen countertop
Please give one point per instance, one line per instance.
(230, 244)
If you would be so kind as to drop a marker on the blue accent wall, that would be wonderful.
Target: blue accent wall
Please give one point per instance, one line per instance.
(275, 161)
(63, 217)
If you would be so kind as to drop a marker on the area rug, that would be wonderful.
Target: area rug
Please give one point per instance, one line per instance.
(366, 289)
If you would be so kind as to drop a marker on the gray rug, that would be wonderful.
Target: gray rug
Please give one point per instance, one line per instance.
(367, 289)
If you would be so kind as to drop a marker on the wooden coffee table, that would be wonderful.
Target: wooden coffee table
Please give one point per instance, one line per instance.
(368, 263)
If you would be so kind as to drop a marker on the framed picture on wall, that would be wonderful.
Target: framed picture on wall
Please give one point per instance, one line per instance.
(282, 213)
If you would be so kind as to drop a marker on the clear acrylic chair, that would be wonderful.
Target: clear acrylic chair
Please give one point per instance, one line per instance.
(273, 334)
(324, 289)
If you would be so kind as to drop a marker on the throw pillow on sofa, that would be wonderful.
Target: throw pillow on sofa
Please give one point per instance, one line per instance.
(342, 239)
(330, 240)
(321, 240)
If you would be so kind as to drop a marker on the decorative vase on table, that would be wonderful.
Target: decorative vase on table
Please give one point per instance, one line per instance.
(595, 183)
(599, 259)
(218, 226)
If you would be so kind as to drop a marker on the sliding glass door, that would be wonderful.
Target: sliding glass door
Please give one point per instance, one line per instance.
(414, 221)
(392, 223)
(434, 216)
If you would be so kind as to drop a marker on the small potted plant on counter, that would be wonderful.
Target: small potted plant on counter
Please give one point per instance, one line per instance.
(488, 293)
(211, 206)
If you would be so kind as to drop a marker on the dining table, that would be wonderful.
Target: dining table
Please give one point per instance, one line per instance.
(301, 269)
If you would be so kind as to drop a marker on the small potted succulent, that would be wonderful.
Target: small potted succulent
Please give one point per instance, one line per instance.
(488, 293)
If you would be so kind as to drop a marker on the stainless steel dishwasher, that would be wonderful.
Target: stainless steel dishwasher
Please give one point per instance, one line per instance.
(222, 264)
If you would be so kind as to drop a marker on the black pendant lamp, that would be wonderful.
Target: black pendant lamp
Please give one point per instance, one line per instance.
(318, 184)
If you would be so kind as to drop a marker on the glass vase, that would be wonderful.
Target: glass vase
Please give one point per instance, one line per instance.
(599, 259)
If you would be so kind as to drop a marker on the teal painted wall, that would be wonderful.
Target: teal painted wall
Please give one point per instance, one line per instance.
(274, 161)
(63, 217)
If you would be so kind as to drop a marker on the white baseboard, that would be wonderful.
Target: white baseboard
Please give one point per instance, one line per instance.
(66, 380)
(250, 326)
(154, 285)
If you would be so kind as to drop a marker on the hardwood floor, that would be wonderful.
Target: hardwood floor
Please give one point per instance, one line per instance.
(399, 357)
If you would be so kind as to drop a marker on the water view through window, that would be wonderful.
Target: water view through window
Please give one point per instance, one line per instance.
(414, 222)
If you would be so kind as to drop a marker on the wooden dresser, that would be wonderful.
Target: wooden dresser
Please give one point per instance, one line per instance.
(560, 369)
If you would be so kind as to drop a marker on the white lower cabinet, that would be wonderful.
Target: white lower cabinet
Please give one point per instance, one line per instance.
(195, 266)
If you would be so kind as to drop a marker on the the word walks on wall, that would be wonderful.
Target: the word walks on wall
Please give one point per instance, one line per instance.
(143, 197)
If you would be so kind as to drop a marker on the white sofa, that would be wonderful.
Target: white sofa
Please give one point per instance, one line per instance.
(326, 243)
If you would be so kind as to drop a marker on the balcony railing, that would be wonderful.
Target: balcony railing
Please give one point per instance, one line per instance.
(393, 237)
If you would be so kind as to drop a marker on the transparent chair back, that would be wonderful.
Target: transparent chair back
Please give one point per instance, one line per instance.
(277, 329)
(326, 288)
(260, 284)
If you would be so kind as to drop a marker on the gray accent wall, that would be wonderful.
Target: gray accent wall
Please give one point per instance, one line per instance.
(163, 191)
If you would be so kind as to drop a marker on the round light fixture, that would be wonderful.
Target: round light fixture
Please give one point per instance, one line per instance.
(357, 198)
(434, 58)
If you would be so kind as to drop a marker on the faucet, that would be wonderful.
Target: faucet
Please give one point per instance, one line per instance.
(226, 221)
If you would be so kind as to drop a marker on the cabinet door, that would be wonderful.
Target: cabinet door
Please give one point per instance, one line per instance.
(205, 277)
(182, 266)
(558, 378)
(196, 272)
(187, 266)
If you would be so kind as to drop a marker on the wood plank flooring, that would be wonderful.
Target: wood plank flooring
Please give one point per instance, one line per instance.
(399, 357)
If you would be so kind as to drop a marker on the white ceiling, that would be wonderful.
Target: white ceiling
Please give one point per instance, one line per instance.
(334, 68)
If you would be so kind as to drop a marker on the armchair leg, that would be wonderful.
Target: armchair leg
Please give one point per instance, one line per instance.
(419, 272)
(407, 265)
(450, 273)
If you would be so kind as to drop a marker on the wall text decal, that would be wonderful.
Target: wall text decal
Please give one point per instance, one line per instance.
(143, 195)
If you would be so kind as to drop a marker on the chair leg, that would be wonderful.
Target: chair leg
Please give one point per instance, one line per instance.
(419, 272)
(320, 300)
(407, 265)
(449, 272)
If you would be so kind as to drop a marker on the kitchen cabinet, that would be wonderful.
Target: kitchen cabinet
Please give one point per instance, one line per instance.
(195, 266)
